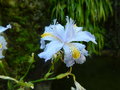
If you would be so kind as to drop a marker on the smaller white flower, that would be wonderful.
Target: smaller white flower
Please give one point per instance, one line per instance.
(2, 29)
(78, 86)
(3, 44)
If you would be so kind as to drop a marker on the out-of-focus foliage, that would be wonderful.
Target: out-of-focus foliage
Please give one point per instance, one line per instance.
(88, 13)
(113, 33)
(26, 18)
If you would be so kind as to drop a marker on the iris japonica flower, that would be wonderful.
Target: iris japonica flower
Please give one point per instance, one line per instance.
(65, 38)
(3, 44)
(2, 29)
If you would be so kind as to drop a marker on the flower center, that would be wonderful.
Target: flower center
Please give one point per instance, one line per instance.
(0, 45)
(75, 52)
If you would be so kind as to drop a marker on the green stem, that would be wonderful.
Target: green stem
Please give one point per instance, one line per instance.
(74, 78)
(60, 76)
(26, 72)
(26, 84)
(43, 79)
(8, 78)
(3, 68)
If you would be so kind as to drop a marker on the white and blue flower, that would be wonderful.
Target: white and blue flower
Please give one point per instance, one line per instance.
(3, 44)
(2, 29)
(64, 37)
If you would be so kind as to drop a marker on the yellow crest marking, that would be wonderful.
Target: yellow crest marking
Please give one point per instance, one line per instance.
(75, 52)
(46, 34)
(49, 34)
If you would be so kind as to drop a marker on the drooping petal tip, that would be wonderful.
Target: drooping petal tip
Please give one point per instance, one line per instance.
(9, 26)
(2, 29)
(43, 55)
(81, 60)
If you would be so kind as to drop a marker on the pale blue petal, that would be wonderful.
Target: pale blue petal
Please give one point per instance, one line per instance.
(60, 30)
(42, 42)
(69, 23)
(49, 38)
(51, 48)
(3, 42)
(2, 29)
(69, 30)
(1, 55)
(84, 36)
(78, 29)
(84, 52)
(56, 30)
(68, 60)
(79, 46)
(9, 26)
(81, 60)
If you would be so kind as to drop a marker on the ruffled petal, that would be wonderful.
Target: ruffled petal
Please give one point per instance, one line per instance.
(1, 55)
(57, 28)
(56, 31)
(74, 50)
(81, 48)
(2, 29)
(84, 52)
(3, 43)
(69, 30)
(42, 42)
(68, 60)
(55, 34)
(84, 36)
(79, 45)
(77, 29)
(81, 60)
(51, 48)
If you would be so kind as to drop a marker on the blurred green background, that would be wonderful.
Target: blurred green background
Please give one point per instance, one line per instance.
(28, 19)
